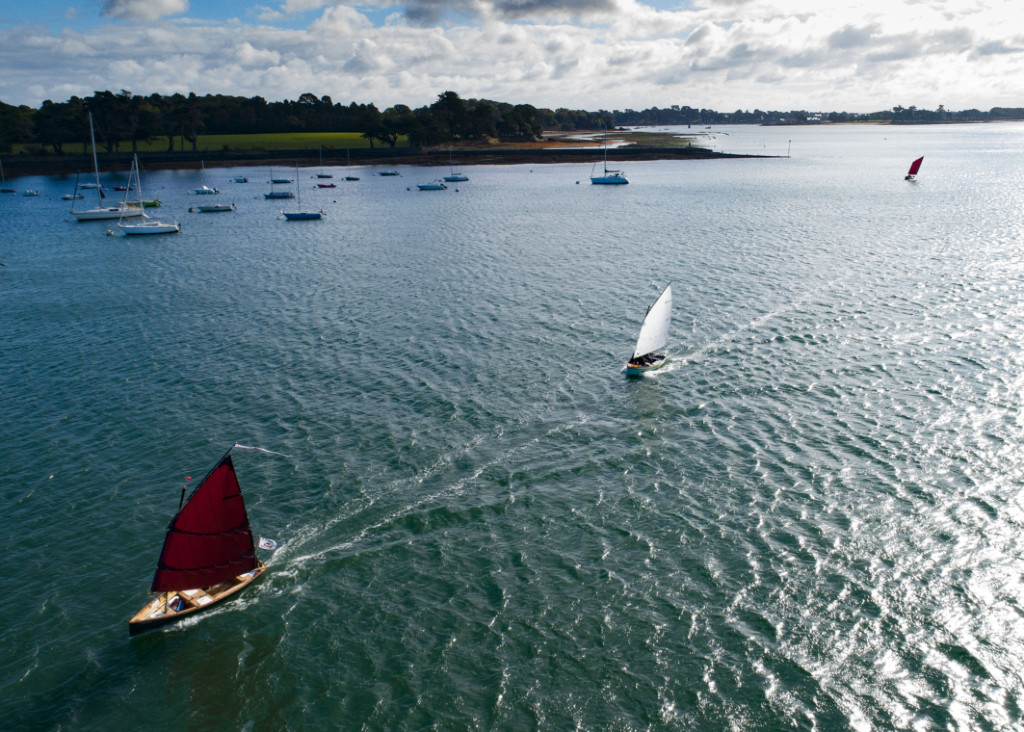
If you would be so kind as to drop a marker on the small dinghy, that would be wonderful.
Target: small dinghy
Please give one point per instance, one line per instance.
(208, 553)
(653, 337)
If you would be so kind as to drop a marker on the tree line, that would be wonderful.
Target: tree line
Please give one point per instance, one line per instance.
(127, 117)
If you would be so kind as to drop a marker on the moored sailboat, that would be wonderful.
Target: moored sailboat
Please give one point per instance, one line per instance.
(653, 337)
(146, 225)
(204, 190)
(452, 176)
(321, 174)
(100, 212)
(914, 167)
(278, 194)
(301, 214)
(208, 553)
(609, 177)
(348, 166)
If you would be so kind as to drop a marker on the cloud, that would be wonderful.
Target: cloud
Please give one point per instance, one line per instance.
(301, 6)
(522, 9)
(247, 55)
(434, 12)
(997, 48)
(592, 54)
(368, 58)
(849, 37)
(143, 9)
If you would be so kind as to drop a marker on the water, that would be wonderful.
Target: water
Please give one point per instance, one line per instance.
(809, 519)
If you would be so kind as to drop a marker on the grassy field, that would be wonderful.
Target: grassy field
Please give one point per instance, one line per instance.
(275, 141)
(340, 141)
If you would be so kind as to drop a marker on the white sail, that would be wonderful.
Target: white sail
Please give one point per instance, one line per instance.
(654, 331)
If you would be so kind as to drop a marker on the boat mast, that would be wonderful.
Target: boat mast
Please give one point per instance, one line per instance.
(95, 162)
(606, 151)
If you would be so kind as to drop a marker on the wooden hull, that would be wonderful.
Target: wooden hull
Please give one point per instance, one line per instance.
(158, 611)
(641, 370)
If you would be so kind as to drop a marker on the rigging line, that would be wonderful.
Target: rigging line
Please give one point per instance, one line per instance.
(261, 449)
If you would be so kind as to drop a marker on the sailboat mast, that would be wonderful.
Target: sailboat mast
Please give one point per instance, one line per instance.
(95, 161)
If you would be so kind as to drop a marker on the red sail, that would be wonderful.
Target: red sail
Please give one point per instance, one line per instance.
(209, 540)
(915, 166)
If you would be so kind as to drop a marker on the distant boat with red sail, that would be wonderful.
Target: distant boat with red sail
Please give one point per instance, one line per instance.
(914, 167)
(208, 553)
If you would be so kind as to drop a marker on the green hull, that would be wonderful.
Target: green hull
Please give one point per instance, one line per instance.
(641, 370)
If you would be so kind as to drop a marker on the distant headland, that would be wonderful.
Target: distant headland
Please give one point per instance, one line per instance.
(538, 153)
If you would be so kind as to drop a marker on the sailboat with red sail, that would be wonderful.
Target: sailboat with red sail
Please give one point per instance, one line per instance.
(208, 553)
(914, 167)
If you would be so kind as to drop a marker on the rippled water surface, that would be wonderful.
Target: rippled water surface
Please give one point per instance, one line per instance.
(811, 519)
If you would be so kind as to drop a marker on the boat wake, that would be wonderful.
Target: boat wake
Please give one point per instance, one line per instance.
(424, 503)
(752, 326)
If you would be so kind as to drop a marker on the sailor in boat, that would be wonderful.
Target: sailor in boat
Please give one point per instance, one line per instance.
(646, 360)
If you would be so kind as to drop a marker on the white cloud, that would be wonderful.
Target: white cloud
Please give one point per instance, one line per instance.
(247, 55)
(591, 54)
(301, 6)
(143, 9)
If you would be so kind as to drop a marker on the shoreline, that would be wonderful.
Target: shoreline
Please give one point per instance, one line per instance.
(25, 165)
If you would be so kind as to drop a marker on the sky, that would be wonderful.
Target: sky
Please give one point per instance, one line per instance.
(773, 55)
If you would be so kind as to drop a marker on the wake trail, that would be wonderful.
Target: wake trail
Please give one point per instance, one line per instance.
(703, 351)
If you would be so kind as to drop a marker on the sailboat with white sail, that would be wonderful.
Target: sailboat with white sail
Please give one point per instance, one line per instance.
(208, 554)
(653, 337)
(609, 177)
(101, 212)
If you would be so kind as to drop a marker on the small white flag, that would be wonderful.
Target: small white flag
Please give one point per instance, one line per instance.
(268, 544)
